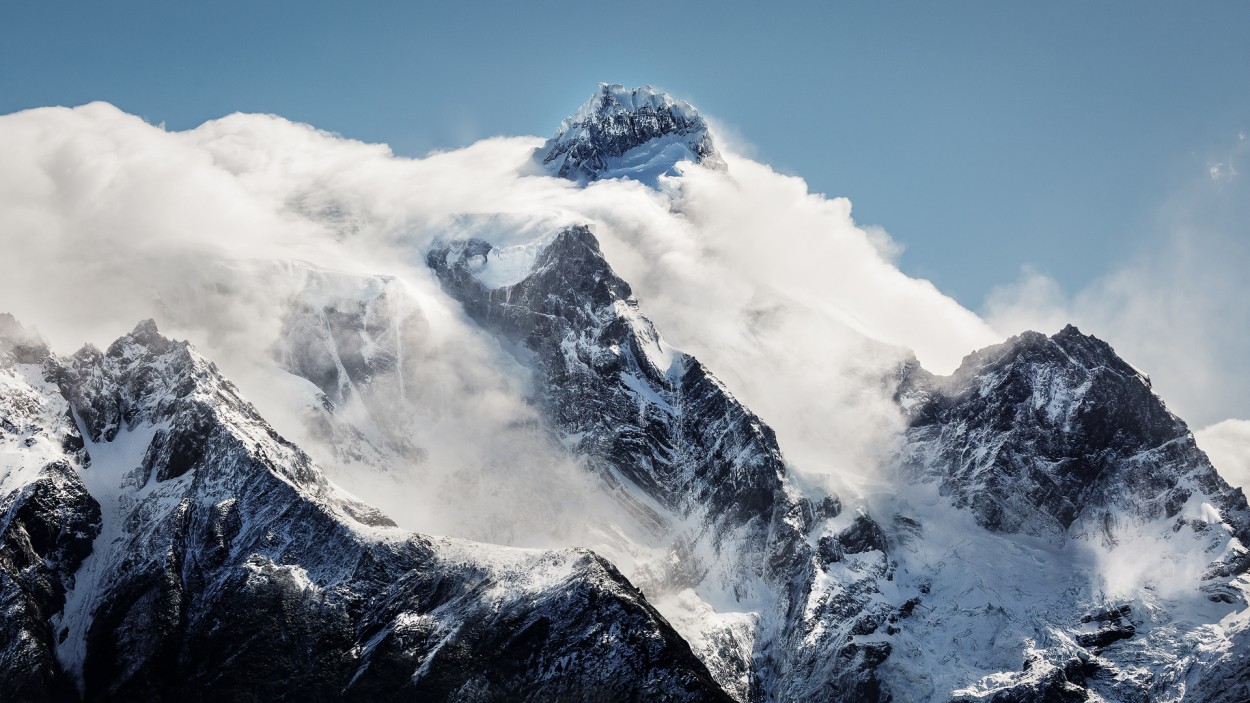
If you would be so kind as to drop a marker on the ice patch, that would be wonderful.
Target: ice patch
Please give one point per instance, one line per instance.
(507, 266)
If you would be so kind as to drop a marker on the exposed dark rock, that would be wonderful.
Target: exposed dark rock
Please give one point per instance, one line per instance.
(1107, 626)
(864, 535)
(1036, 433)
(618, 126)
(48, 520)
(696, 446)
(240, 573)
(648, 416)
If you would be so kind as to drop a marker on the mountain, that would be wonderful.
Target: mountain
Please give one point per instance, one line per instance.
(696, 466)
(346, 335)
(1081, 521)
(1036, 526)
(1057, 436)
(637, 133)
(161, 541)
(50, 519)
(1051, 439)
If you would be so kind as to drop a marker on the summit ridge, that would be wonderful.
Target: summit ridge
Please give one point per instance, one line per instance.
(639, 133)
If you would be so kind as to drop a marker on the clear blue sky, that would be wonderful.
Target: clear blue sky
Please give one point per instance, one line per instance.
(983, 136)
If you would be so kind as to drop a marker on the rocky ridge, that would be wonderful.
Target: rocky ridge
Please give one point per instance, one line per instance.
(1049, 530)
(704, 472)
(220, 562)
(638, 133)
(1120, 552)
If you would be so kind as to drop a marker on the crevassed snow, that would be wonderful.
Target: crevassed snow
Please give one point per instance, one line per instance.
(987, 599)
(723, 640)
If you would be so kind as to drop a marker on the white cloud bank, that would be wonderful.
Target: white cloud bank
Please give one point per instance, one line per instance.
(105, 220)
(1227, 444)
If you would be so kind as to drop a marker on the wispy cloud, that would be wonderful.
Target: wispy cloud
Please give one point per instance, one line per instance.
(1178, 307)
(1222, 171)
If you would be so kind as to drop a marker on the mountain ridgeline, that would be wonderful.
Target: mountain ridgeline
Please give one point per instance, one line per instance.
(1047, 530)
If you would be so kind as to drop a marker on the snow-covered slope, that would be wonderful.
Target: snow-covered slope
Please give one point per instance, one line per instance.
(220, 563)
(637, 133)
(1066, 532)
(776, 587)
(1051, 533)
(1035, 527)
(48, 519)
(1058, 437)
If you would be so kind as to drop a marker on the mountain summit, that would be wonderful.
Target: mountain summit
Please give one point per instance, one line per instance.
(638, 133)
(1034, 527)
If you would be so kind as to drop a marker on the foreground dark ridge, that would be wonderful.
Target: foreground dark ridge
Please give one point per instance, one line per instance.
(160, 542)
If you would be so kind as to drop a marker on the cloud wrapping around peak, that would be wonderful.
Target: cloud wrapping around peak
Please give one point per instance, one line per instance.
(107, 220)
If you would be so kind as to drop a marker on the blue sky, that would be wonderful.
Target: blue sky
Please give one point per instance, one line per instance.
(983, 136)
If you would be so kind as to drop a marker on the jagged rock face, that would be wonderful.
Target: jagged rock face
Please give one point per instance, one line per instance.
(48, 520)
(639, 133)
(1043, 682)
(1039, 433)
(1143, 549)
(1224, 677)
(227, 567)
(639, 408)
(678, 447)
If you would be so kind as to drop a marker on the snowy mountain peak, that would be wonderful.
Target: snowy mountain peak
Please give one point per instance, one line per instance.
(698, 470)
(638, 133)
(10, 328)
(1059, 437)
(180, 548)
(616, 98)
(144, 338)
(1069, 348)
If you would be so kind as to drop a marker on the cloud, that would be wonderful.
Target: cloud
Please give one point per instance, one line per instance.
(1227, 444)
(1176, 307)
(796, 308)
(1224, 169)
(1221, 171)
(106, 220)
